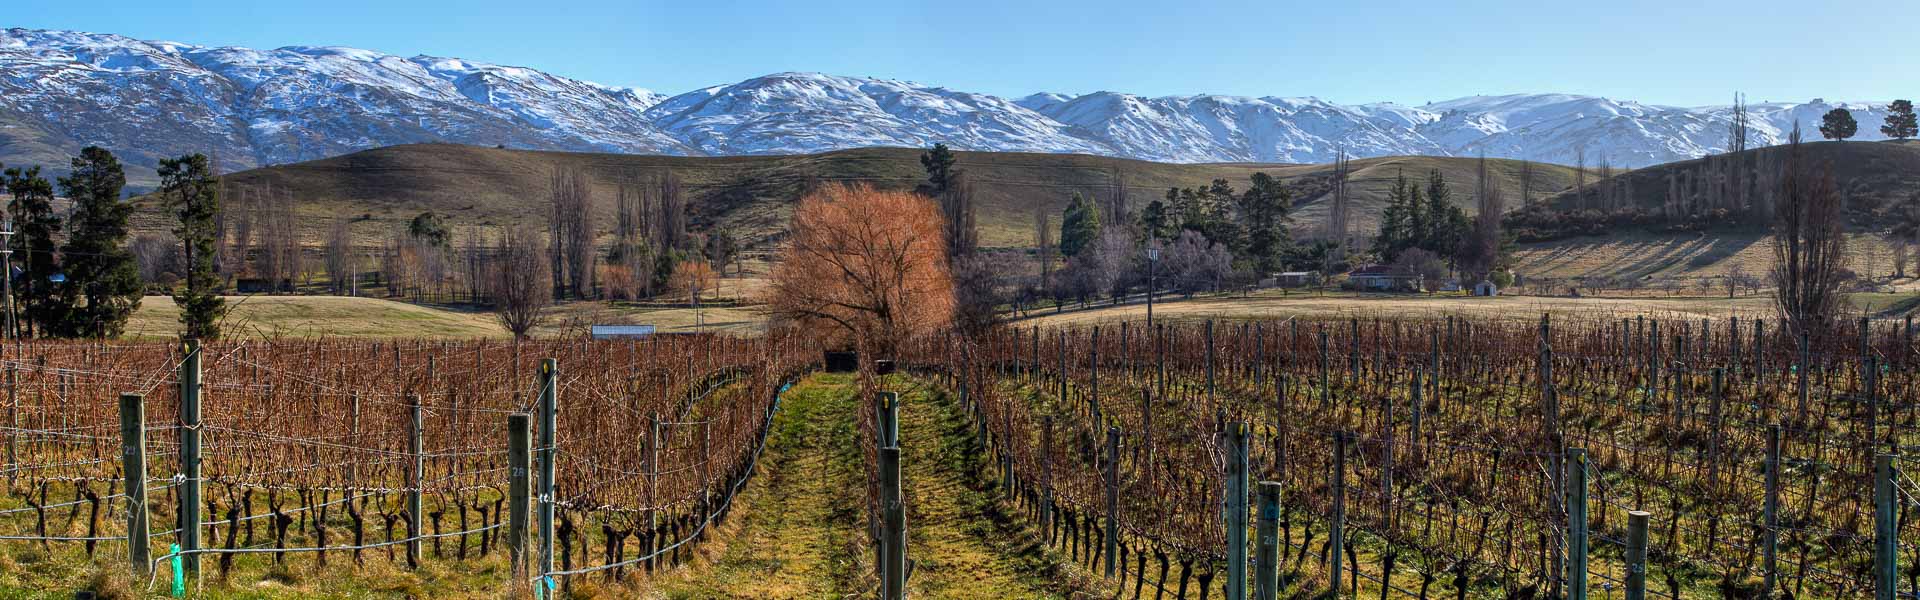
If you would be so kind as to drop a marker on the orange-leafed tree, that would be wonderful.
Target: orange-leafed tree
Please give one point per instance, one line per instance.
(695, 278)
(865, 266)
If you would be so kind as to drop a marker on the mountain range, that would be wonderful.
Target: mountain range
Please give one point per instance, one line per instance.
(62, 90)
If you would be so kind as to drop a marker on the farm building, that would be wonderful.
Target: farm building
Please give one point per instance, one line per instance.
(1382, 278)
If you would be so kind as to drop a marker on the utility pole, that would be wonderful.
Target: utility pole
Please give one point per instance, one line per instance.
(1153, 279)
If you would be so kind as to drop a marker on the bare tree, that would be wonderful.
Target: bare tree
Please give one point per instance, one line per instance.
(1526, 183)
(158, 256)
(519, 282)
(1339, 211)
(339, 256)
(1483, 250)
(957, 206)
(1810, 246)
(1043, 242)
(570, 232)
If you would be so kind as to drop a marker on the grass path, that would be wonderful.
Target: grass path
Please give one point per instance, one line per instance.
(797, 523)
(963, 545)
(794, 534)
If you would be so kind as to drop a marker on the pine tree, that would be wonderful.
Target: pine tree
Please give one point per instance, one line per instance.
(190, 189)
(1079, 225)
(1838, 124)
(34, 227)
(1263, 207)
(1157, 221)
(103, 282)
(1900, 121)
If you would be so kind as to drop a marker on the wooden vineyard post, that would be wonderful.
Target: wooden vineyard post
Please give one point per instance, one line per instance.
(1637, 555)
(654, 431)
(1046, 473)
(133, 453)
(1885, 567)
(416, 479)
(549, 421)
(1770, 512)
(1419, 408)
(1336, 526)
(889, 430)
(519, 490)
(1576, 524)
(1236, 510)
(189, 509)
(1112, 534)
(1760, 351)
(1801, 370)
(1209, 359)
(1093, 373)
(893, 539)
(1266, 570)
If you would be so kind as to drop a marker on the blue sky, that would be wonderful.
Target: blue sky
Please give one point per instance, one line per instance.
(1685, 52)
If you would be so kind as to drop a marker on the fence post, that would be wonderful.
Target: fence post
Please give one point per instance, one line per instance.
(1046, 472)
(133, 446)
(1576, 524)
(1637, 554)
(1770, 511)
(654, 429)
(893, 538)
(519, 463)
(1884, 544)
(1113, 500)
(1236, 510)
(1336, 534)
(1802, 369)
(549, 421)
(1266, 571)
(416, 479)
(189, 509)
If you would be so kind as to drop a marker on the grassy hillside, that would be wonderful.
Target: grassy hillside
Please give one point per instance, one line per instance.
(1878, 178)
(754, 195)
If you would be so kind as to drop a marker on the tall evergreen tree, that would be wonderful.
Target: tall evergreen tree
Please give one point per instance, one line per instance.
(938, 161)
(34, 250)
(1263, 208)
(1838, 124)
(1401, 221)
(1447, 225)
(1900, 121)
(1079, 225)
(190, 189)
(1157, 221)
(103, 281)
(950, 188)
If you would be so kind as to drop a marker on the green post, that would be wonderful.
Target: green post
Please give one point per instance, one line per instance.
(1266, 558)
(416, 479)
(1576, 524)
(1770, 512)
(1637, 554)
(189, 508)
(1236, 510)
(549, 422)
(1112, 534)
(1336, 534)
(519, 491)
(133, 446)
(1885, 567)
(893, 538)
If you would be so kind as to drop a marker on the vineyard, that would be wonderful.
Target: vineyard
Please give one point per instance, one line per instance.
(365, 454)
(1389, 457)
(1460, 459)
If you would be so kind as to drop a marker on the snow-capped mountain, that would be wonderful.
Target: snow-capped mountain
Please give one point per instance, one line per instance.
(148, 99)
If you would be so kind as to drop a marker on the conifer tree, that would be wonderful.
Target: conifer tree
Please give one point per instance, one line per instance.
(1900, 121)
(34, 250)
(190, 189)
(1079, 225)
(1838, 124)
(103, 281)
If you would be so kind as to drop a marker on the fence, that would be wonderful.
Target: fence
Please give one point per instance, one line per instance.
(1449, 451)
(419, 451)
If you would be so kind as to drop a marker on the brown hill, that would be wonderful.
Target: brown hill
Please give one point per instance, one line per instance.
(753, 195)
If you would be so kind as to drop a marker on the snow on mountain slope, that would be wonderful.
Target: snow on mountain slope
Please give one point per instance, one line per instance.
(810, 112)
(154, 99)
(150, 99)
